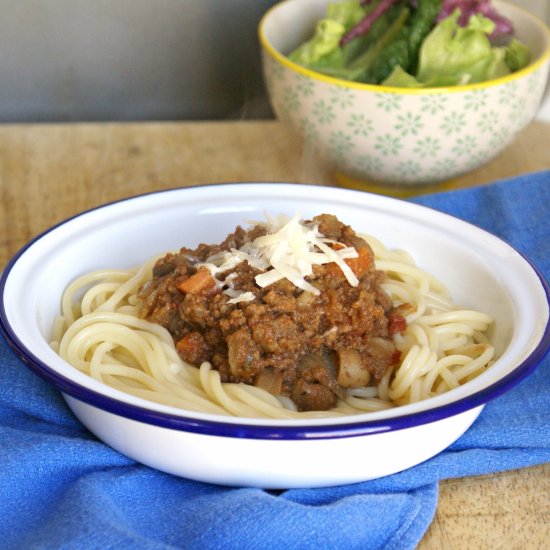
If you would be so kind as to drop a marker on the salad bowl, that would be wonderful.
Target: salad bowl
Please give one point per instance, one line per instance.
(400, 138)
(480, 271)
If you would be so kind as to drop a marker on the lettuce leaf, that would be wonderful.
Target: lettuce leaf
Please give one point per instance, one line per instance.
(340, 17)
(463, 53)
(453, 55)
(517, 55)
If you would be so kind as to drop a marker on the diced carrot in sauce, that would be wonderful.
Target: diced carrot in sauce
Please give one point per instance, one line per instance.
(359, 265)
(362, 263)
(201, 282)
(193, 348)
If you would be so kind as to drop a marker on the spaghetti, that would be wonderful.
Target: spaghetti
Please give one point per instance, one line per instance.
(100, 333)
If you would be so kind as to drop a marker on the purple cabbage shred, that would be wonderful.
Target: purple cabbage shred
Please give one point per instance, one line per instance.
(367, 22)
(504, 26)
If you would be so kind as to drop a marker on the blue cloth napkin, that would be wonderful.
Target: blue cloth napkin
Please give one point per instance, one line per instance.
(62, 488)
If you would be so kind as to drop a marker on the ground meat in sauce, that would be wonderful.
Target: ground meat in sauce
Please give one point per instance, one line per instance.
(288, 341)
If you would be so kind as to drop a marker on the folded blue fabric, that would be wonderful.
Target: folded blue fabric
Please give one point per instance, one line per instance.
(62, 488)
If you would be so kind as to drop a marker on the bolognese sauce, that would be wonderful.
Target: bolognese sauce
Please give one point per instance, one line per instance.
(308, 338)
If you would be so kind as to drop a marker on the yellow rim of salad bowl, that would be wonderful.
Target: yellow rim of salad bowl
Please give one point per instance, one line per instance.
(532, 67)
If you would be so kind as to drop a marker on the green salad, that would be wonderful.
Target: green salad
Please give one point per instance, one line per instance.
(413, 43)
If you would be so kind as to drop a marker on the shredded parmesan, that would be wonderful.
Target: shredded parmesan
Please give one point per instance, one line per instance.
(289, 251)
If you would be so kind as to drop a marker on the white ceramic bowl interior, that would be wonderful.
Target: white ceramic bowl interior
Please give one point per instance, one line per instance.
(481, 271)
(395, 136)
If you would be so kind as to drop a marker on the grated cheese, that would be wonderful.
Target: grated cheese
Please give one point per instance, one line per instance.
(289, 251)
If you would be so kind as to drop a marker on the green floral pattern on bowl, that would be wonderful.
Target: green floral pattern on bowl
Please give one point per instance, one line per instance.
(405, 138)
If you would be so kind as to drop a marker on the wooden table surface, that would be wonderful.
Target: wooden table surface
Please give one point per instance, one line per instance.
(49, 172)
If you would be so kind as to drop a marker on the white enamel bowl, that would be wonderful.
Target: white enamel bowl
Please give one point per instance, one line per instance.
(482, 272)
(373, 136)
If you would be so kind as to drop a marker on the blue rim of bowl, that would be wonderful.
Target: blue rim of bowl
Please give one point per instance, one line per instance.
(180, 422)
